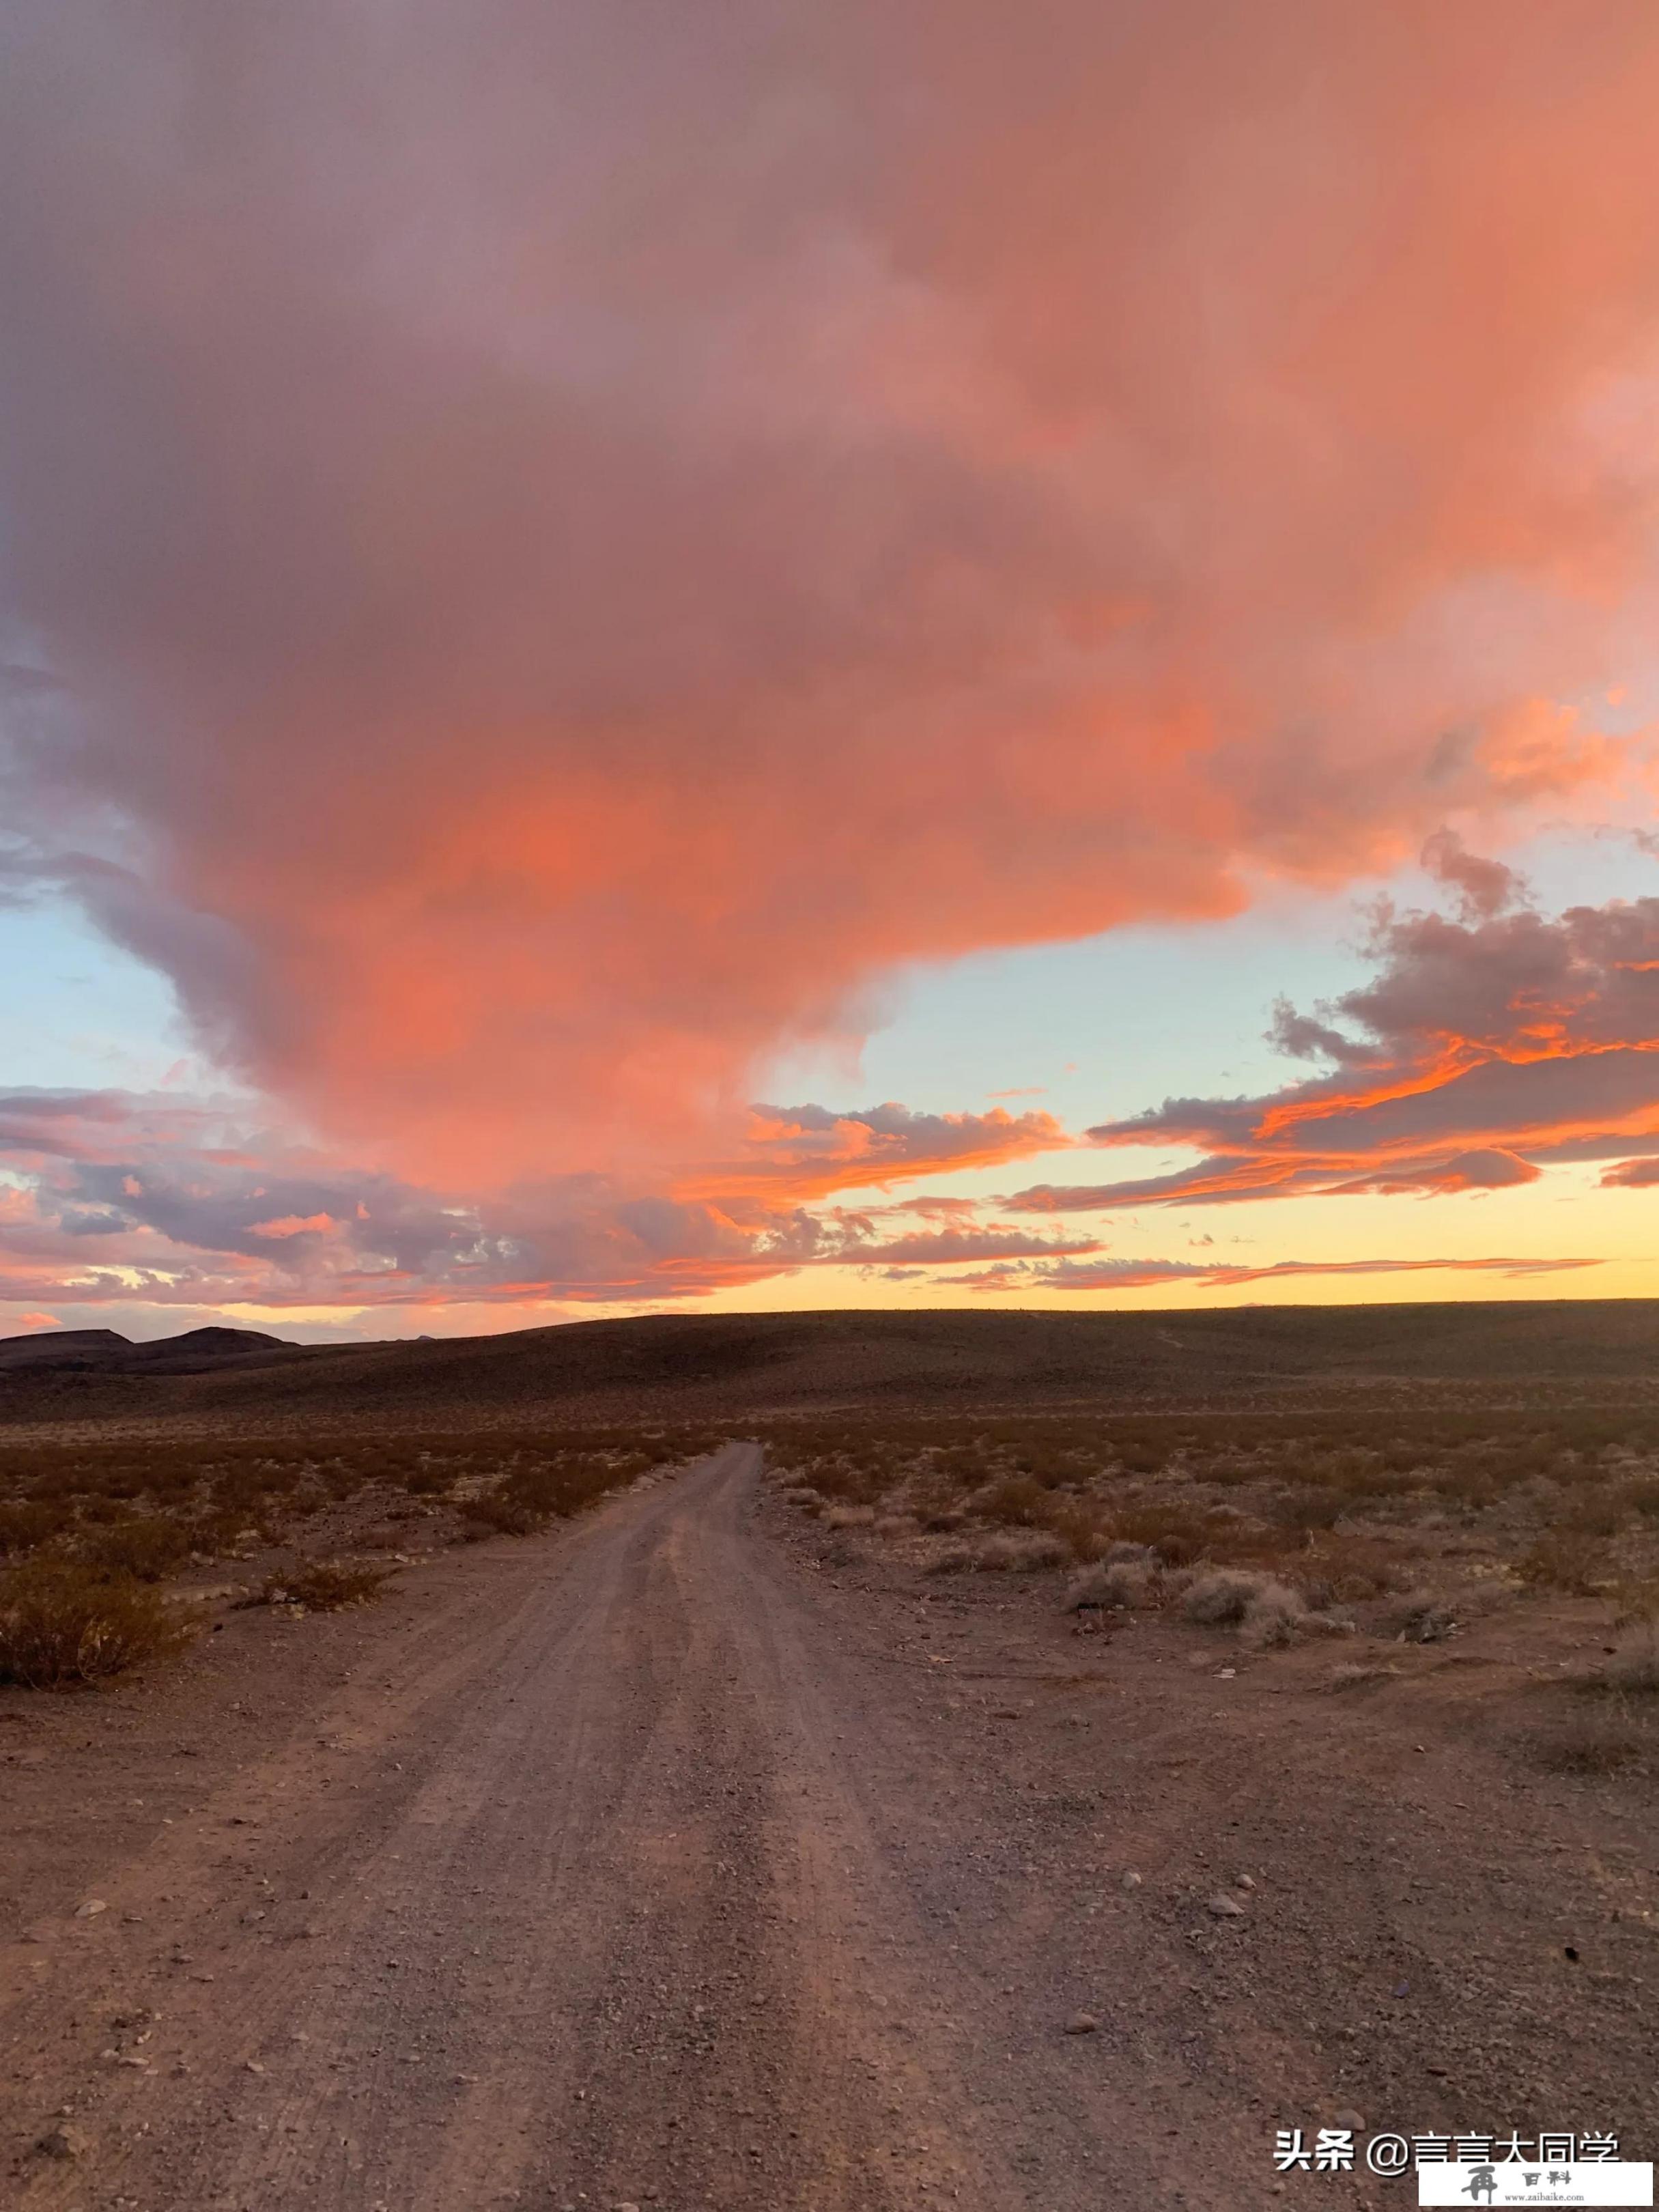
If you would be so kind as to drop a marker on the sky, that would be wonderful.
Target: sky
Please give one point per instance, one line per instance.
(684, 659)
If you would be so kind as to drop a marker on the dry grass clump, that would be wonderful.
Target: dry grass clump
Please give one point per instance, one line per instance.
(322, 1586)
(63, 1622)
(850, 1516)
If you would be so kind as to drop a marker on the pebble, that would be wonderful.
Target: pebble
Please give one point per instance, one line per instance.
(1244, 1881)
(1226, 1908)
(89, 1911)
(1131, 1879)
(1347, 2118)
(1082, 2023)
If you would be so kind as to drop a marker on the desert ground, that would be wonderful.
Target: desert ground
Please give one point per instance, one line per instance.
(835, 1761)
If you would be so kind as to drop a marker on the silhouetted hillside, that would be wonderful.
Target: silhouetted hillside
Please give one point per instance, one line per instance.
(724, 1366)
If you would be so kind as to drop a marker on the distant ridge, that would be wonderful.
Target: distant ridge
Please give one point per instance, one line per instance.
(726, 1367)
(107, 1352)
(62, 1347)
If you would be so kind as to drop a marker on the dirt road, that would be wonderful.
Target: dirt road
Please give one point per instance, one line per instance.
(590, 1911)
(667, 1862)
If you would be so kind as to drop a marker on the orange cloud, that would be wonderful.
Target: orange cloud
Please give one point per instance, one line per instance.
(1484, 1049)
(555, 549)
(808, 1151)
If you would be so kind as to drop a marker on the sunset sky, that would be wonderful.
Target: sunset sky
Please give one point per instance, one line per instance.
(799, 655)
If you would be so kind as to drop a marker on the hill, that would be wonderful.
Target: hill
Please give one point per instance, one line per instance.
(722, 1366)
(107, 1352)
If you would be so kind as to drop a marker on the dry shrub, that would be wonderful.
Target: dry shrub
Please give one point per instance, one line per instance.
(1307, 1510)
(26, 1523)
(1118, 1582)
(1636, 1601)
(1221, 1599)
(147, 1549)
(1424, 1617)
(850, 1516)
(1078, 1527)
(895, 1525)
(1347, 1568)
(1356, 1674)
(322, 1586)
(1590, 1743)
(494, 1513)
(802, 1496)
(951, 1559)
(1019, 1553)
(60, 1621)
(1274, 1618)
(937, 1512)
(1633, 1669)
(1595, 1513)
(1644, 1498)
(1017, 1501)
(1564, 1559)
(1177, 1534)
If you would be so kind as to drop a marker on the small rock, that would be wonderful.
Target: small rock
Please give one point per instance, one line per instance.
(91, 1909)
(1227, 1674)
(1402, 1989)
(1082, 2023)
(253, 2066)
(1226, 1908)
(1243, 1881)
(1347, 2118)
(64, 2142)
(1130, 1880)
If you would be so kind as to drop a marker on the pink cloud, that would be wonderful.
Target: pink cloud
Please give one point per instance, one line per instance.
(558, 547)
